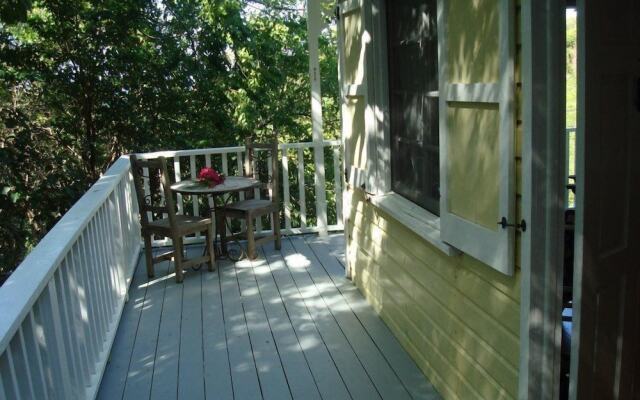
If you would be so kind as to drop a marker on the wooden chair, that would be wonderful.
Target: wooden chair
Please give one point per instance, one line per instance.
(160, 202)
(252, 208)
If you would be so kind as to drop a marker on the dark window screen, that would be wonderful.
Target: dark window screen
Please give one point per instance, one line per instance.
(413, 100)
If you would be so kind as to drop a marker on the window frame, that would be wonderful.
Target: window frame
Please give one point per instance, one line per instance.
(422, 222)
(430, 201)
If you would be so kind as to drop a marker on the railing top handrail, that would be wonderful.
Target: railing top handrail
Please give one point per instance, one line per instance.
(26, 283)
(225, 150)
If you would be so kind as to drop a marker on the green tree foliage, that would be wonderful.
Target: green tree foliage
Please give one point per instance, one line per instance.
(82, 82)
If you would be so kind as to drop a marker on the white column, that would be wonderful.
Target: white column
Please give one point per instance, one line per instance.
(314, 27)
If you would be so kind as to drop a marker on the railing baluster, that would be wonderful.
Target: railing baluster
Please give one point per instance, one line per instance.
(35, 360)
(109, 261)
(207, 162)
(25, 363)
(195, 199)
(122, 245)
(320, 188)
(12, 374)
(96, 277)
(225, 171)
(257, 193)
(113, 223)
(270, 172)
(285, 189)
(337, 179)
(3, 391)
(51, 324)
(45, 352)
(225, 164)
(78, 342)
(301, 189)
(113, 230)
(178, 177)
(240, 162)
(129, 223)
(96, 271)
(68, 335)
(90, 293)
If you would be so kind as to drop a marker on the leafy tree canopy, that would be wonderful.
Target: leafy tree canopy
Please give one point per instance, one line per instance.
(82, 82)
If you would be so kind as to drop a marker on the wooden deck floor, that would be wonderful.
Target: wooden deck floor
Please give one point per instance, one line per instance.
(285, 326)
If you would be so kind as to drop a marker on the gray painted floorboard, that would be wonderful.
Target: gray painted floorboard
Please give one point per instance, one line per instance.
(288, 325)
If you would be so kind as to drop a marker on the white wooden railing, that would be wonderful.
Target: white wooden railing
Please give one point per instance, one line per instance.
(187, 163)
(60, 309)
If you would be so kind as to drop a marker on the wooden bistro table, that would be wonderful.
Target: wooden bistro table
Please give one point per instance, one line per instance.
(232, 184)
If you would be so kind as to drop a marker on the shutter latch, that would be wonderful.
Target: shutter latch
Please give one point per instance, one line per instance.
(521, 226)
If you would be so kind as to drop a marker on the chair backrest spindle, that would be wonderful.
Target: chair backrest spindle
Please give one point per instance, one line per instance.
(252, 165)
(157, 168)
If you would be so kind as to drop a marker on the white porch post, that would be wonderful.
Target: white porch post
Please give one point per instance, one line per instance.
(314, 27)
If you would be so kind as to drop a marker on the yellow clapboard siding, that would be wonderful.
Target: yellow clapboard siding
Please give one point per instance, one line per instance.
(450, 378)
(421, 282)
(457, 318)
(417, 356)
(468, 270)
(421, 278)
(425, 334)
(499, 350)
(433, 318)
(473, 314)
(424, 251)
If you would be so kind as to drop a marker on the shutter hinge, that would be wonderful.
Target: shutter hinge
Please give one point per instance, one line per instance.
(522, 226)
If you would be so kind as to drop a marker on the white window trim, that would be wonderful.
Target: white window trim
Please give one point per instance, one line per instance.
(415, 218)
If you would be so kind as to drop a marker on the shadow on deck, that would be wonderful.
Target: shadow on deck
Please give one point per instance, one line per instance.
(287, 325)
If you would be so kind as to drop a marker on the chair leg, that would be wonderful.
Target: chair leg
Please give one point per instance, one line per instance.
(212, 254)
(148, 255)
(276, 229)
(177, 245)
(251, 241)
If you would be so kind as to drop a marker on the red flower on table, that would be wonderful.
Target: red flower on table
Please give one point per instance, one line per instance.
(210, 176)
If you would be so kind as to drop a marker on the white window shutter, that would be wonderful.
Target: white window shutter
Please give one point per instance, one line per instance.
(477, 129)
(359, 70)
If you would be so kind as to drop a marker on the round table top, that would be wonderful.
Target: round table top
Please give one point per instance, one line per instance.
(231, 184)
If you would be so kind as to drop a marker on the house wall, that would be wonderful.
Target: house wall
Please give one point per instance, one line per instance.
(457, 318)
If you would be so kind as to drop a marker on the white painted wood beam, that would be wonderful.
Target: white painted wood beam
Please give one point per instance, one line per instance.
(314, 27)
